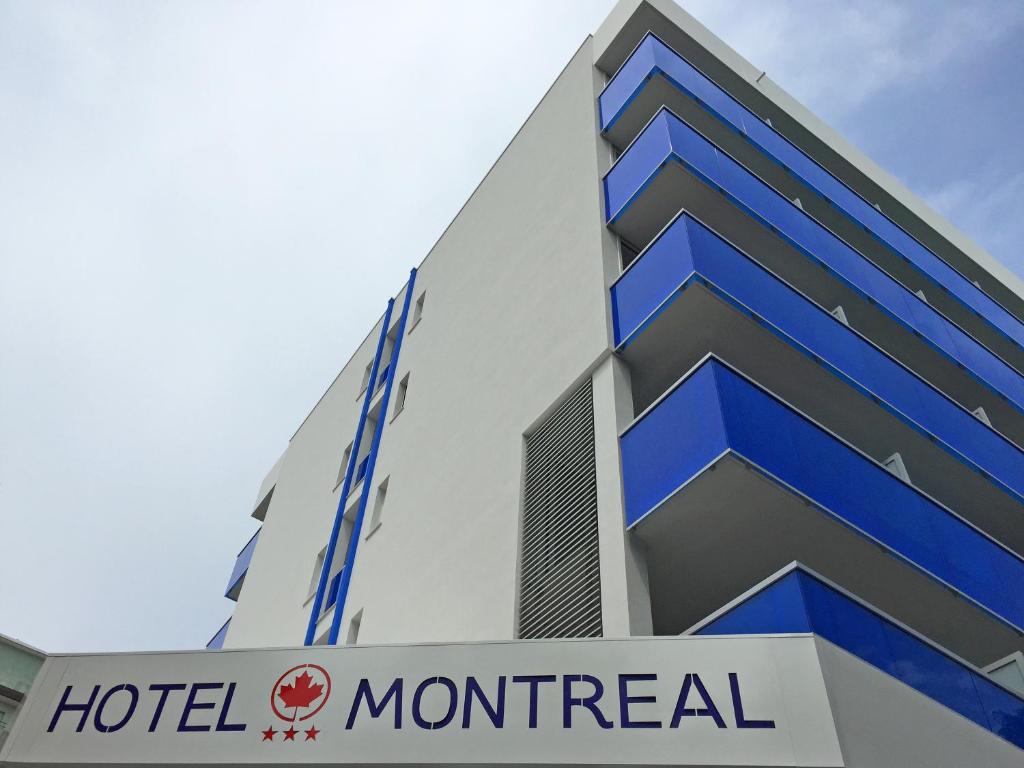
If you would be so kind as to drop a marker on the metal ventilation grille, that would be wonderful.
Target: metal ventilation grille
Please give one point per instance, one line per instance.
(560, 581)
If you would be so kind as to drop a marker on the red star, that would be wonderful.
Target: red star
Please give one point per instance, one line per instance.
(289, 735)
(268, 735)
(311, 733)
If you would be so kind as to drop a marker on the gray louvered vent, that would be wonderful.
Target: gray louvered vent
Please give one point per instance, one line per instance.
(560, 582)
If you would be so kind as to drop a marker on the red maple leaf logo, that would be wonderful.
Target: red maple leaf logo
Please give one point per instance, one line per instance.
(300, 693)
(307, 691)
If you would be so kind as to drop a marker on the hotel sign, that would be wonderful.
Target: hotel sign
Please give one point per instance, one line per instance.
(652, 701)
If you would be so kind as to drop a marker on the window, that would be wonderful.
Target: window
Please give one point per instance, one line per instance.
(366, 378)
(344, 466)
(382, 377)
(378, 507)
(417, 310)
(403, 390)
(314, 580)
(353, 628)
(627, 253)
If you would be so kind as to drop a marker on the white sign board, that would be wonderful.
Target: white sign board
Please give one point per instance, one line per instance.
(650, 701)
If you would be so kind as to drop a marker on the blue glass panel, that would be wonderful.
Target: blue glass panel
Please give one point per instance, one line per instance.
(687, 247)
(845, 623)
(623, 183)
(360, 471)
(715, 409)
(628, 82)
(653, 58)
(242, 563)
(217, 641)
(778, 609)
(1005, 711)
(651, 280)
(933, 673)
(868, 497)
(635, 169)
(799, 602)
(660, 454)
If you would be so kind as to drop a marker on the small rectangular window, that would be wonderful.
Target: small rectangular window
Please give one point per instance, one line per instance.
(366, 378)
(314, 580)
(353, 628)
(417, 310)
(627, 253)
(403, 390)
(344, 466)
(378, 507)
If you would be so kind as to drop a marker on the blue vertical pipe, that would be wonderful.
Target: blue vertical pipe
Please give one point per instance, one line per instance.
(314, 614)
(350, 555)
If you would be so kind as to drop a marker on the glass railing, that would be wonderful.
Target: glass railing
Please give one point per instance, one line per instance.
(652, 57)
(241, 566)
(667, 139)
(714, 411)
(687, 251)
(800, 602)
(217, 641)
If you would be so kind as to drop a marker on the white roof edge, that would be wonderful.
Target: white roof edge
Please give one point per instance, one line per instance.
(8, 640)
(625, 9)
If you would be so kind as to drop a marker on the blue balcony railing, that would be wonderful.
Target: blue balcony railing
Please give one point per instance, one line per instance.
(652, 58)
(241, 566)
(798, 601)
(714, 411)
(668, 141)
(687, 252)
(217, 641)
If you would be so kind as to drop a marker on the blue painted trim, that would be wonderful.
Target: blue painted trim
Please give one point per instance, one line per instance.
(339, 515)
(357, 525)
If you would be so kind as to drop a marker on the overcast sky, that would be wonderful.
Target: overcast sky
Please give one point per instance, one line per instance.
(199, 223)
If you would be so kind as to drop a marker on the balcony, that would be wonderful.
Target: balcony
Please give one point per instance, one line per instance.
(655, 75)
(795, 600)
(691, 292)
(724, 484)
(217, 641)
(671, 166)
(241, 567)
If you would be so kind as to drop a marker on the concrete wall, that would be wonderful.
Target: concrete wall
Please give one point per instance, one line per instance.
(515, 292)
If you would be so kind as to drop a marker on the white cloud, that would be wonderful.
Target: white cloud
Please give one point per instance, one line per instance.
(834, 56)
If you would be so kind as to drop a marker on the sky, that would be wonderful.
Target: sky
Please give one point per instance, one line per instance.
(199, 223)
